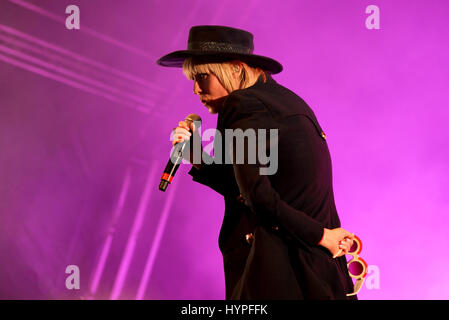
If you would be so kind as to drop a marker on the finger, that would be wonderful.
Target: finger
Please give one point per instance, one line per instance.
(350, 243)
(176, 141)
(337, 254)
(348, 248)
(346, 234)
(180, 137)
(344, 247)
(184, 125)
(180, 130)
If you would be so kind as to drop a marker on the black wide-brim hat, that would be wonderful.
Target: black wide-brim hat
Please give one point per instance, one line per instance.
(219, 43)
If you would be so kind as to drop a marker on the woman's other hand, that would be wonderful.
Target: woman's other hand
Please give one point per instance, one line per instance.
(338, 241)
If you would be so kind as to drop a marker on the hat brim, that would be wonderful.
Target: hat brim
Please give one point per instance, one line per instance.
(176, 59)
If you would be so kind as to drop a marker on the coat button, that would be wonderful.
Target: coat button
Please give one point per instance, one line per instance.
(240, 198)
(249, 238)
(323, 135)
(275, 228)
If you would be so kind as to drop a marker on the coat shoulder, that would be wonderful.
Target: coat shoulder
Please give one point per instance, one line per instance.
(241, 105)
(243, 101)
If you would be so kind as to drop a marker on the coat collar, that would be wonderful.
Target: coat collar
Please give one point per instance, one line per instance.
(263, 80)
(259, 84)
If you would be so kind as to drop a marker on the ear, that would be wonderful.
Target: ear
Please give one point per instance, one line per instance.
(237, 67)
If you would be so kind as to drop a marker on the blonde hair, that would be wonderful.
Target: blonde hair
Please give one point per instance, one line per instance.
(223, 71)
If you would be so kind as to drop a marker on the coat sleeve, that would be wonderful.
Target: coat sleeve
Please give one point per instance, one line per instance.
(216, 177)
(246, 112)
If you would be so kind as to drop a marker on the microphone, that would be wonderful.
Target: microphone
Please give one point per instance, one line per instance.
(176, 156)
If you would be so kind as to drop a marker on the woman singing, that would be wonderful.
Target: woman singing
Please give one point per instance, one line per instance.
(281, 235)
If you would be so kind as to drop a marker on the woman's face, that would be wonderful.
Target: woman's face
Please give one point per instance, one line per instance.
(210, 90)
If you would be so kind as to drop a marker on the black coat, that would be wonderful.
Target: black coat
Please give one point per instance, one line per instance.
(269, 239)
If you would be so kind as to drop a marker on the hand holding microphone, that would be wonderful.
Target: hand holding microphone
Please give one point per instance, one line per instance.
(181, 137)
(183, 132)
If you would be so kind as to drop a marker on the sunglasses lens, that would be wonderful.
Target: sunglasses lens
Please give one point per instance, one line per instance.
(356, 268)
(355, 246)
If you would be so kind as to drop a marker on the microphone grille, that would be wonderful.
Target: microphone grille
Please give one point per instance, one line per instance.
(193, 117)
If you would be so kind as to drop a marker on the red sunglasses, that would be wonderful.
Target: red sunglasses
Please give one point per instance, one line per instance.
(357, 267)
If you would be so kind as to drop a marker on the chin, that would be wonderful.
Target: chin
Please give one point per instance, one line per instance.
(212, 110)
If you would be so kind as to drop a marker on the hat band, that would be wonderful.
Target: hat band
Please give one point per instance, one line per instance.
(218, 46)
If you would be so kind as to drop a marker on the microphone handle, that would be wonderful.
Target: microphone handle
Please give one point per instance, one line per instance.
(172, 167)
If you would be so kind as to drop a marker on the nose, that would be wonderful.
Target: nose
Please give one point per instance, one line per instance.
(196, 88)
